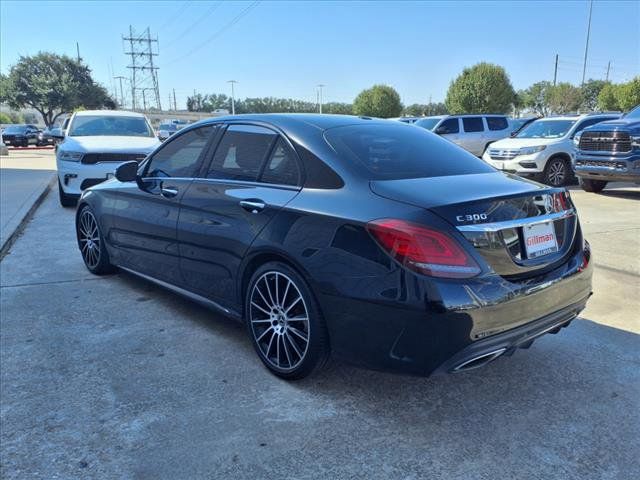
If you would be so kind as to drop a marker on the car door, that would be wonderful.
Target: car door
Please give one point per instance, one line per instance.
(253, 174)
(146, 212)
(473, 139)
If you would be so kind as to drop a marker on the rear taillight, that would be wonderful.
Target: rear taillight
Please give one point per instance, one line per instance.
(423, 249)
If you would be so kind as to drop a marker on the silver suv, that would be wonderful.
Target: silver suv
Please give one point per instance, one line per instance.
(472, 132)
(543, 149)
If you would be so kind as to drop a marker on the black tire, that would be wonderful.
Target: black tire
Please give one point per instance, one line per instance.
(25, 143)
(557, 172)
(282, 320)
(91, 243)
(65, 199)
(593, 186)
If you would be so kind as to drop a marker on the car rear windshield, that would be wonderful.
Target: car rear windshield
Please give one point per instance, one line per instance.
(391, 152)
(546, 129)
(106, 125)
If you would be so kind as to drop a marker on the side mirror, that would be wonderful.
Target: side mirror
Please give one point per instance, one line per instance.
(441, 131)
(127, 172)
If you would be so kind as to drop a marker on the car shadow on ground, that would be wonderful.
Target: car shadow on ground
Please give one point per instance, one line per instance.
(578, 353)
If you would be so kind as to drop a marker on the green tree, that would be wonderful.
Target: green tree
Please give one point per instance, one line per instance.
(52, 84)
(338, 108)
(607, 100)
(378, 101)
(628, 94)
(536, 97)
(5, 119)
(483, 88)
(590, 91)
(564, 98)
(425, 110)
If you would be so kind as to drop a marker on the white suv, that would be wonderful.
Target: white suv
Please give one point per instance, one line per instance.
(472, 132)
(95, 143)
(543, 149)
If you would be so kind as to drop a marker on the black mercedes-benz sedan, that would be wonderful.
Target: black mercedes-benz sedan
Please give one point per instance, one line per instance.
(376, 242)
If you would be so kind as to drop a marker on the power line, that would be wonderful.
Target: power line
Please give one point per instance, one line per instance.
(219, 32)
(197, 22)
(175, 16)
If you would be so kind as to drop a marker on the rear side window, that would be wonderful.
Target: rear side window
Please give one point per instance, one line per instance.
(472, 124)
(241, 153)
(497, 123)
(450, 125)
(179, 156)
(282, 168)
(390, 152)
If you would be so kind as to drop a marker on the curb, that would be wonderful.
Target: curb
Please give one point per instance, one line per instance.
(27, 214)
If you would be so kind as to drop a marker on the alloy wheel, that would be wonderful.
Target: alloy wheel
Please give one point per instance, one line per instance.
(279, 320)
(89, 238)
(557, 173)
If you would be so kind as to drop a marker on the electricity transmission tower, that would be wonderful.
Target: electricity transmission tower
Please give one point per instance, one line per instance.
(144, 74)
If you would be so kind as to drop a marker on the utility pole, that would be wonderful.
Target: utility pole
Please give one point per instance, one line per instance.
(586, 47)
(175, 106)
(555, 71)
(78, 51)
(320, 87)
(233, 96)
(120, 77)
(144, 100)
(144, 72)
(608, 68)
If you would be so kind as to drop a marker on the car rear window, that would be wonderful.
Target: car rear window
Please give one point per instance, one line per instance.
(390, 152)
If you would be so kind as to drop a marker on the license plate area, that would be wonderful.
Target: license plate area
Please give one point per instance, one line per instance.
(540, 239)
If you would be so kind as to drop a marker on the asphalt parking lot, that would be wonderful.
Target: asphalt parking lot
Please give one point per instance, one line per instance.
(113, 377)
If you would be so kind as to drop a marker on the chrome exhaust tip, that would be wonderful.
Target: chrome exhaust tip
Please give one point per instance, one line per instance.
(479, 361)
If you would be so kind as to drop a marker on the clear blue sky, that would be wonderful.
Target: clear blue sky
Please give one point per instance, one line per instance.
(284, 49)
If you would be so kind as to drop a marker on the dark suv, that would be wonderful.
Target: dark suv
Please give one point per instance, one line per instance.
(609, 152)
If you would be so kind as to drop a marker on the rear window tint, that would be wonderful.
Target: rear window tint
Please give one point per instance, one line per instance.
(390, 152)
(497, 123)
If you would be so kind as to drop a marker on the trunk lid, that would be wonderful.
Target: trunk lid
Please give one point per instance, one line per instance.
(519, 227)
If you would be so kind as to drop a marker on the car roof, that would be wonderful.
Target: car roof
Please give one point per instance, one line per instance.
(111, 113)
(299, 120)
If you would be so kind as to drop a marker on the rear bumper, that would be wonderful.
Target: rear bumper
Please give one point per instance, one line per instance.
(482, 352)
(436, 325)
(622, 168)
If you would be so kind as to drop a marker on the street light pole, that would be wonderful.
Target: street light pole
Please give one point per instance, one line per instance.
(320, 87)
(233, 96)
(586, 47)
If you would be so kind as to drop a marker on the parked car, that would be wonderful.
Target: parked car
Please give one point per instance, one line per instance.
(165, 130)
(94, 144)
(472, 132)
(49, 136)
(609, 152)
(345, 235)
(517, 124)
(543, 149)
(20, 135)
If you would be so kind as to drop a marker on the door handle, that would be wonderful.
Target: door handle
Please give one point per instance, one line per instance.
(253, 206)
(168, 192)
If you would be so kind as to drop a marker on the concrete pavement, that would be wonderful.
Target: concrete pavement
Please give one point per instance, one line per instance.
(25, 176)
(112, 377)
